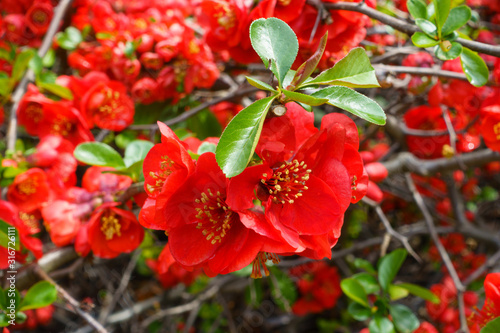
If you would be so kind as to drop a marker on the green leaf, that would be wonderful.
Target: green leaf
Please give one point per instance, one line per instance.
(355, 291)
(49, 58)
(417, 8)
(136, 151)
(284, 290)
(420, 292)
(442, 9)
(368, 281)
(474, 67)
(3, 300)
(7, 238)
(204, 124)
(422, 40)
(57, 90)
(5, 86)
(458, 17)
(69, 39)
(354, 102)
(39, 295)
(452, 53)
(381, 324)
(492, 327)
(389, 266)
(129, 49)
(239, 139)
(4, 320)
(21, 63)
(354, 70)
(307, 68)
(303, 98)
(403, 318)
(275, 42)
(35, 64)
(206, 147)
(427, 27)
(364, 264)
(359, 312)
(98, 153)
(259, 84)
(396, 292)
(13, 297)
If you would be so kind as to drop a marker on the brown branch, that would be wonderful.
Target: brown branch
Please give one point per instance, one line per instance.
(419, 71)
(71, 301)
(406, 161)
(188, 114)
(28, 77)
(405, 27)
(419, 200)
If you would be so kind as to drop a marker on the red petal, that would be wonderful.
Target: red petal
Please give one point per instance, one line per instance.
(189, 246)
(240, 191)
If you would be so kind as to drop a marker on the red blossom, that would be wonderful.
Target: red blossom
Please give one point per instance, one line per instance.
(112, 231)
(30, 190)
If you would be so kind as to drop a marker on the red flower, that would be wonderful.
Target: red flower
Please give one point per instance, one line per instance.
(426, 327)
(11, 215)
(62, 221)
(30, 190)
(205, 232)
(108, 106)
(319, 286)
(302, 180)
(112, 231)
(166, 167)
(490, 126)
(170, 273)
(39, 16)
(491, 308)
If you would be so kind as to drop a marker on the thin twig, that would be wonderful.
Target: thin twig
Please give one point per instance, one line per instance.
(492, 261)
(186, 115)
(419, 200)
(29, 76)
(71, 301)
(127, 274)
(421, 71)
(405, 27)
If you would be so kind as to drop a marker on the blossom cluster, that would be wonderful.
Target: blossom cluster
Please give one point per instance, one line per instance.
(290, 202)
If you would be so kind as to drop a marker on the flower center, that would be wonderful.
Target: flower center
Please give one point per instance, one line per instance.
(110, 226)
(34, 112)
(27, 187)
(166, 169)
(215, 216)
(284, 2)
(62, 126)
(226, 18)
(288, 182)
(496, 129)
(111, 106)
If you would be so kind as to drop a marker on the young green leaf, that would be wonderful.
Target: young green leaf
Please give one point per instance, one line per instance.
(492, 327)
(307, 68)
(303, 98)
(354, 70)
(389, 266)
(56, 89)
(422, 40)
(427, 27)
(358, 311)
(420, 292)
(442, 9)
(98, 153)
(22, 61)
(35, 64)
(403, 318)
(457, 18)
(474, 67)
(355, 291)
(39, 295)
(396, 292)
(239, 139)
(364, 264)
(259, 84)
(368, 281)
(136, 151)
(275, 42)
(381, 324)
(9, 238)
(417, 8)
(354, 102)
(69, 39)
(454, 51)
(49, 58)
